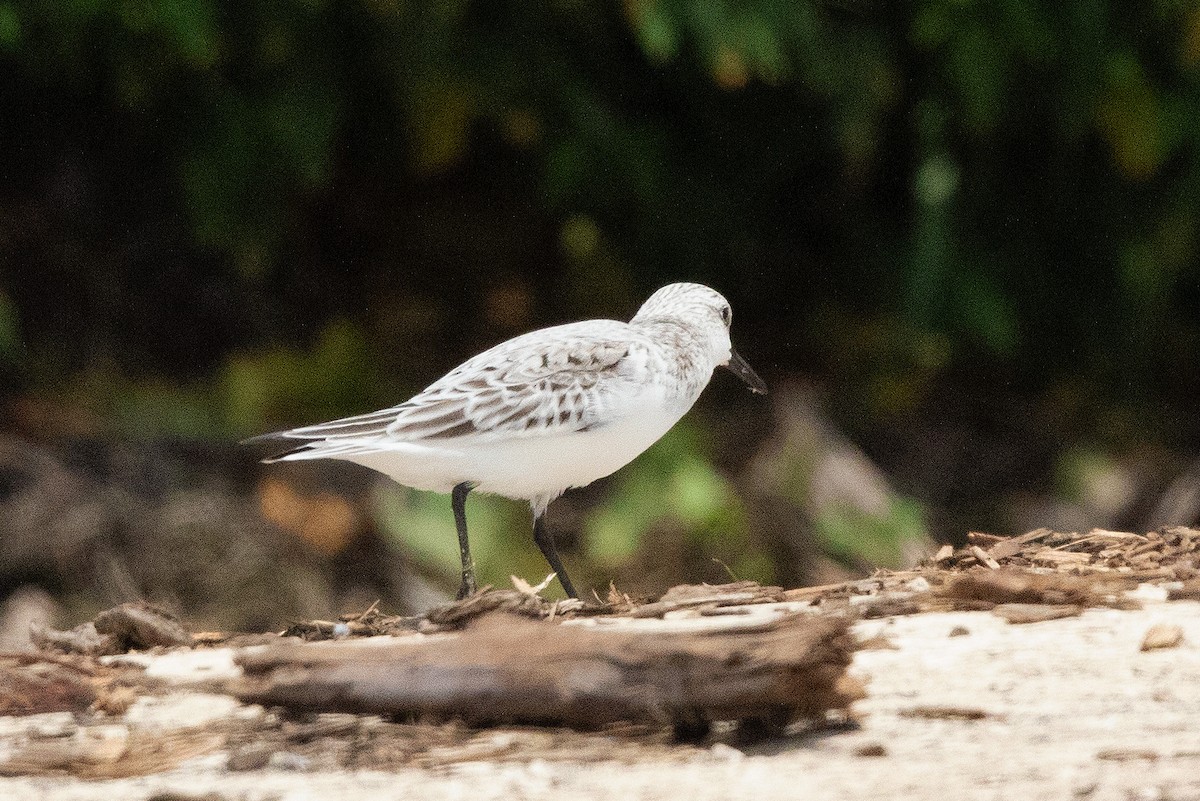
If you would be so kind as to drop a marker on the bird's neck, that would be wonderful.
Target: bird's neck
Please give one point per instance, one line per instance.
(683, 353)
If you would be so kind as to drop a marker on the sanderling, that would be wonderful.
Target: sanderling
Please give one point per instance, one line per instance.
(543, 412)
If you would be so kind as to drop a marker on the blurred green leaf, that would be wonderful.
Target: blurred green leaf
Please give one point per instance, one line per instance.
(422, 524)
(656, 31)
(852, 534)
(984, 311)
(10, 27)
(697, 492)
(445, 112)
(1130, 117)
(322, 383)
(671, 484)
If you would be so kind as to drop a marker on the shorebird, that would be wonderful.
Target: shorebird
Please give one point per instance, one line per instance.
(544, 412)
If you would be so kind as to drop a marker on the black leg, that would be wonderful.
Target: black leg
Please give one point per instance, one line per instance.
(458, 500)
(545, 542)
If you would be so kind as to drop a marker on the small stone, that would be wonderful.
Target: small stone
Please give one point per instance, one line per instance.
(919, 584)
(959, 631)
(871, 750)
(1162, 635)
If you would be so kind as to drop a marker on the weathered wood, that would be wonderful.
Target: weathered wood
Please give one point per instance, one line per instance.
(115, 631)
(26, 692)
(1015, 545)
(1008, 585)
(1054, 557)
(1035, 613)
(509, 669)
(139, 625)
(983, 558)
(699, 596)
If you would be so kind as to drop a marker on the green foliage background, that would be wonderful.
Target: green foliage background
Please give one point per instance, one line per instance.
(220, 216)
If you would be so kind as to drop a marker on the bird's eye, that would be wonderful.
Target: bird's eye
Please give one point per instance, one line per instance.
(726, 315)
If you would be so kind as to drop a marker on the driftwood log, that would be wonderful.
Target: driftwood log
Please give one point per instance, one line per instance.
(505, 669)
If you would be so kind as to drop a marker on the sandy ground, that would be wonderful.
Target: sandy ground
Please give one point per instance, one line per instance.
(959, 705)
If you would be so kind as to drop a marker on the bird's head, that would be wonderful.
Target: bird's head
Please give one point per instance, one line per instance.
(706, 311)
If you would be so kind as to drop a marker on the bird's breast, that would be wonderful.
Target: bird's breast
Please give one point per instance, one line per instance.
(535, 467)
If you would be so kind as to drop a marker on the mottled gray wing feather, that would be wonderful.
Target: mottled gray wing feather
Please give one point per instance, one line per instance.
(552, 381)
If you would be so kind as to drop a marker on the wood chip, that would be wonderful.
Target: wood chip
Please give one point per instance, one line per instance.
(1011, 585)
(980, 538)
(1053, 557)
(703, 593)
(142, 626)
(983, 557)
(114, 631)
(945, 713)
(1119, 536)
(664, 607)
(1015, 545)
(1162, 635)
(457, 614)
(1146, 548)
(808, 593)
(1126, 754)
(1169, 553)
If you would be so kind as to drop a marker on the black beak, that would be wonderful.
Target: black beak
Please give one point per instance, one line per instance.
(737, 365)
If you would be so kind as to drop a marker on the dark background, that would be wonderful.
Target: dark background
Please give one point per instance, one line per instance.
(960, 240)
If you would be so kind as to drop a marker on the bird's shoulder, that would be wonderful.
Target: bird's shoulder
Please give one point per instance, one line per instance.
(584, 351)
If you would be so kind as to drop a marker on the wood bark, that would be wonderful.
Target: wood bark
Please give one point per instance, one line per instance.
(505, 669)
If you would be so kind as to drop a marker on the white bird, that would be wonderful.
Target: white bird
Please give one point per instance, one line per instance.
(544, 412)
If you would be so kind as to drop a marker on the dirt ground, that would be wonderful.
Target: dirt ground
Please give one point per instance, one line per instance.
(1090, 701)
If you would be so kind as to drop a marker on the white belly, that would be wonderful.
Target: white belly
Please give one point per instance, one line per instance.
(530, 467)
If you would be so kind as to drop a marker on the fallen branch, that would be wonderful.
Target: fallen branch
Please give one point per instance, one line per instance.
(505, 669)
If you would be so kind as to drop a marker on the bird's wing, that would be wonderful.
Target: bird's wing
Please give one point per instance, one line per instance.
(558, 380)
